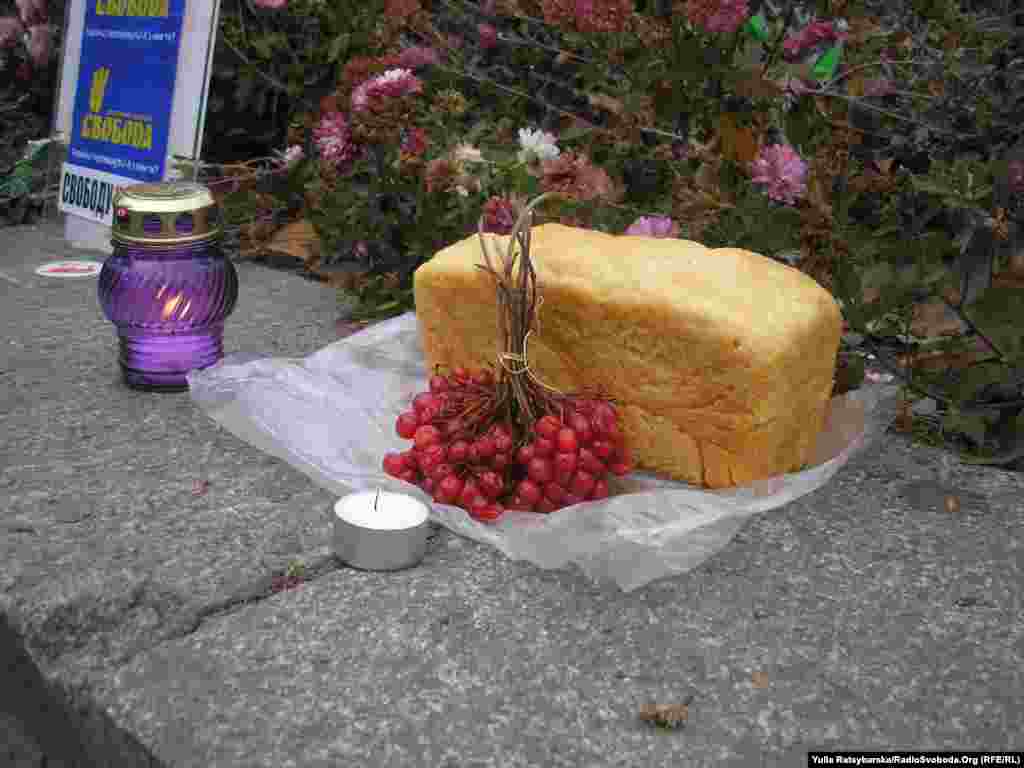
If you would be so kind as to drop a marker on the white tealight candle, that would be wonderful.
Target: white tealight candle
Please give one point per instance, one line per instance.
(381, 510)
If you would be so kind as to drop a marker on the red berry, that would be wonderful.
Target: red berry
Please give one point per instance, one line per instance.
(525, 454)
(566, 441)
(469, 492)
(491, 484)
(554, 493)
(620, 468)
(499, 461)
(605, 419)
(565, 462)
(406, 425)
(438, 384)
(591, 463)
(539, 471)
(563, 478)
(411, 459)
(453, 427)
(485, 448)
(426, 435)
(451, 486)
(430, 457)
(519, 504)
(581, 425)
(428, 414)
(547, 426)
(441, 471)
(428, 485)
(424, 400)
(582, 484)
(602, 449)
(409, 475)
(458, 452)
(488, 513)
(529, 492)
(583, 405)
(600, 490)
(543, 447)
(571, 498)
(545, 506)
(460, 374)
(503, 442)
(394, 463)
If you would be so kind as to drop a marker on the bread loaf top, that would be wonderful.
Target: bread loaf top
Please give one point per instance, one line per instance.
(722, 289)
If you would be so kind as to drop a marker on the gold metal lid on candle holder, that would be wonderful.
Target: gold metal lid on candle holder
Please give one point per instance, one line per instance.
(166, 213)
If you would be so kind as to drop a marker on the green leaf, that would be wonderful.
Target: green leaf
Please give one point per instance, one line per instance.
(338, 47)
(998, 312)
(825, 66)
(574, 132)
(972, 425)
(262, 46)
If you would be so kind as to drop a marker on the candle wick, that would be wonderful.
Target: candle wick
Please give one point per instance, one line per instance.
(375, 499)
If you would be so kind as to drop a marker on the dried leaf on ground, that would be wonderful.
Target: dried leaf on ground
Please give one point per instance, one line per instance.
(666, 715)
(759, 679)
(739, 143)
(298, 240)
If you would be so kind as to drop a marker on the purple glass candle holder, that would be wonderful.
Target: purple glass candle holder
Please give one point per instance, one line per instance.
(167, 286)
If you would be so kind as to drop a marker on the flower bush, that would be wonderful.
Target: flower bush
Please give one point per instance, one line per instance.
(773, 134)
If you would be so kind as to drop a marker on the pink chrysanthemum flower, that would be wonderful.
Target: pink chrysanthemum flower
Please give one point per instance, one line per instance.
(499, 215)
(717, 16)
(878, 86)
(653, 226)
(418, 56)
(39, 43)
(11, 30)
(392, 84)
(32, 11)
(275, 4)
(334, 140)
(810, 36)
(780, 168)
(488, 36)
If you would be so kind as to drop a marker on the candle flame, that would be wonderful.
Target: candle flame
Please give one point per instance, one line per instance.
(169, 306)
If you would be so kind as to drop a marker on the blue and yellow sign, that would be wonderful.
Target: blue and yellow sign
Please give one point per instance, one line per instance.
(129, 62)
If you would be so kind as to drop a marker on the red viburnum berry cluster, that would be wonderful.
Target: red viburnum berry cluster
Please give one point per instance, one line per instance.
(465, 455)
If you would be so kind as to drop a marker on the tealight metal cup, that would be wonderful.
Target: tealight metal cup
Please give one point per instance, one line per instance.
(357, 543)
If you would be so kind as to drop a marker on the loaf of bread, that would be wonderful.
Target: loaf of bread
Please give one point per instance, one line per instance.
(721, 360)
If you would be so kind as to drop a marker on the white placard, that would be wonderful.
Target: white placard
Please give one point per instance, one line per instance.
(84, 227)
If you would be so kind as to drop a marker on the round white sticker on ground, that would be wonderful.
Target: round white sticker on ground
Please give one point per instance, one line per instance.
(70, 269)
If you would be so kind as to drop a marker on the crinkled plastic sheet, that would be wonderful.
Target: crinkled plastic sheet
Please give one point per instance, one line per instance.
(331, 416)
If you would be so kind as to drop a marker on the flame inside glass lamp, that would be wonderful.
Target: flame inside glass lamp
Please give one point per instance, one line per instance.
(167, 287)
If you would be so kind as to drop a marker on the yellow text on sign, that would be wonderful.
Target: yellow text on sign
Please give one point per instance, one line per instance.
(157, 8)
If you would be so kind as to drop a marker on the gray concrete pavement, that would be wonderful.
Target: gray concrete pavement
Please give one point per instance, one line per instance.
(139, 539)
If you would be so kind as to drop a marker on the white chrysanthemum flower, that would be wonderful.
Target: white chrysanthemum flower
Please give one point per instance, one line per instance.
(292, 155)
(536, 145)
(467, 153)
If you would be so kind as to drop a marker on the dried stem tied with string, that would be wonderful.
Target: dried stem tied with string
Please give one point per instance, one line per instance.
(518, 308)
(489, 443)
